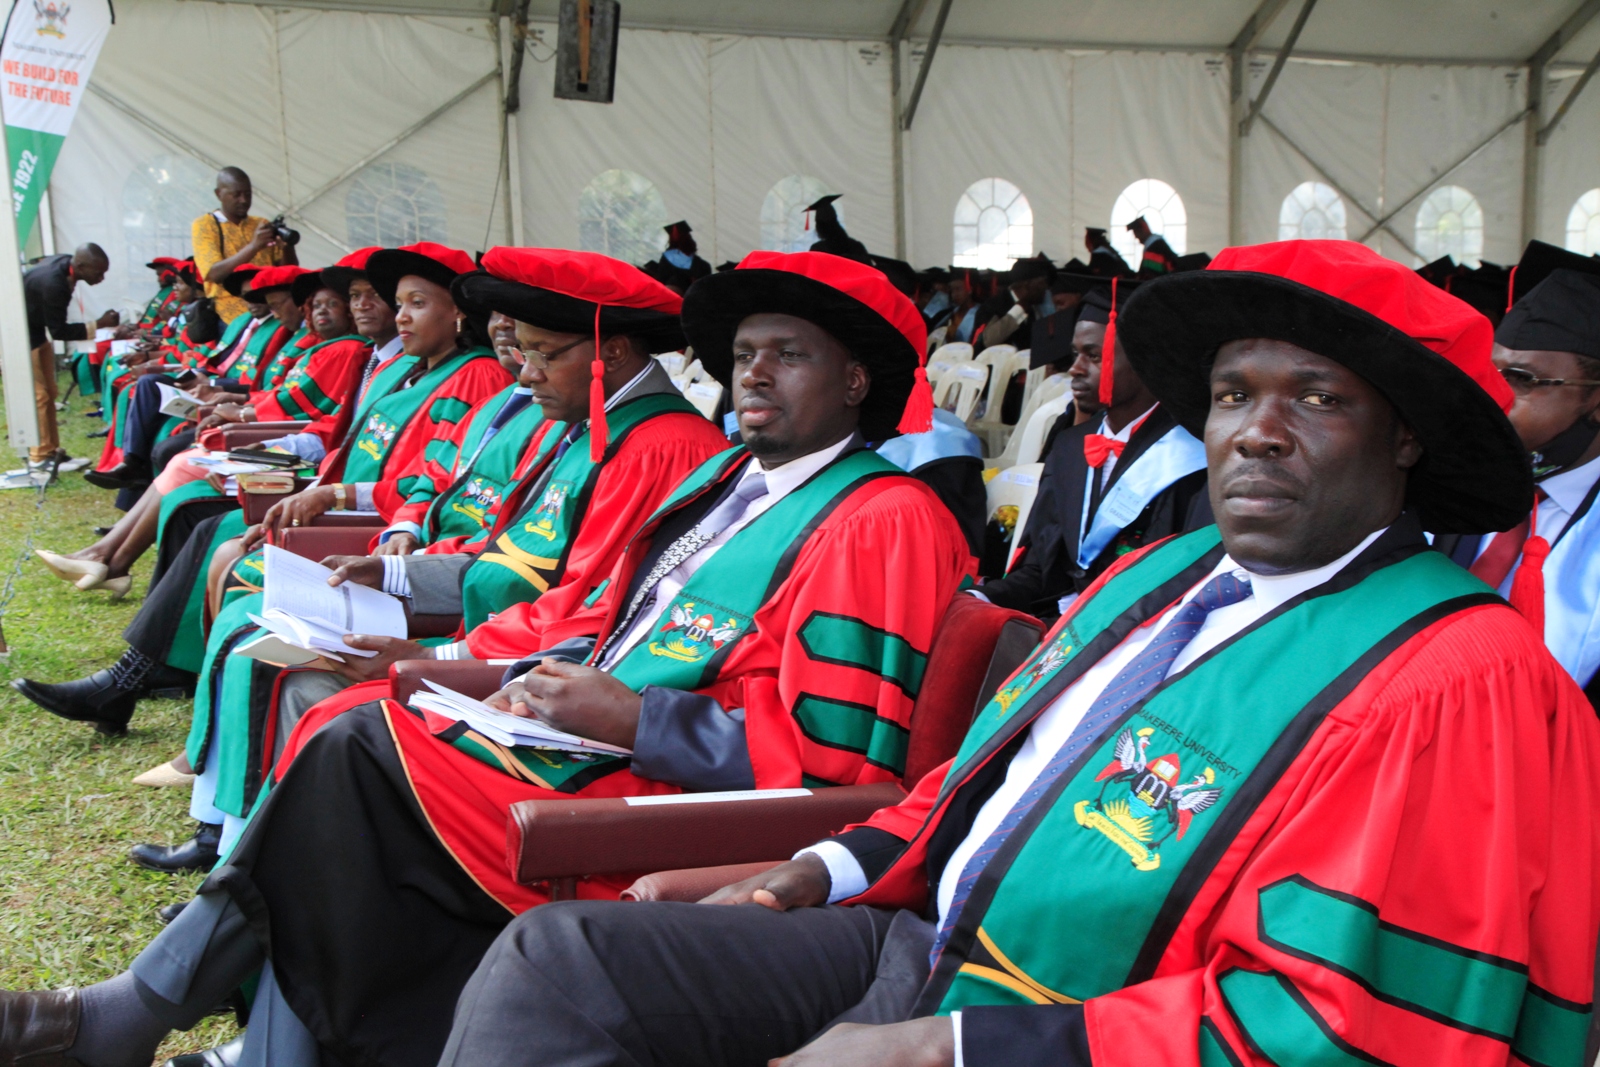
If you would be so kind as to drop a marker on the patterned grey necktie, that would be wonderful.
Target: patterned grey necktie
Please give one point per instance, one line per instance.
(701, 534)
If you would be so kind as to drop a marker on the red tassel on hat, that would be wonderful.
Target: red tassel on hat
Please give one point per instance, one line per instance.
(918, 414)
(597, 397)
(807, 215)
(1108, 351)
(1511, 287)
(1527, 587)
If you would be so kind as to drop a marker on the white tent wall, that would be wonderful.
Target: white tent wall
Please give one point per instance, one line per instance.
(1384, 133)
(713, 121)
(297, 97)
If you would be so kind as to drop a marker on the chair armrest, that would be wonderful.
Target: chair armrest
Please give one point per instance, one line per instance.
(694, 883)
(548, 839)
(475, 678)
(318, 542)
(251, 433)
(256, 502)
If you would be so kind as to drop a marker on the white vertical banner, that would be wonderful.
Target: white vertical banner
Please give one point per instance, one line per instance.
(49, 51)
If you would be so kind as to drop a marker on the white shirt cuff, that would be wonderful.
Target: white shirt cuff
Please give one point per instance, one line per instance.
(455, 650)
(979, 594)
(395, 580)
(843, 868)
(955, 1026)
(364, 496)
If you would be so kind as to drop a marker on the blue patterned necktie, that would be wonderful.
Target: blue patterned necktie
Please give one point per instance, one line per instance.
(1132, 684)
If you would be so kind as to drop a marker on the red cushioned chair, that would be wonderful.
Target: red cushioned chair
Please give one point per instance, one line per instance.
(977, 646)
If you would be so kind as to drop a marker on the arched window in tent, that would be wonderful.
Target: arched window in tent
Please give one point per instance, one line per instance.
(1450, 223)
(1161, 207)
(1313, 212)
(160, 201)
(993, 225)
(393, 204)
(622, 215)
(1583, 224)
(784, 224)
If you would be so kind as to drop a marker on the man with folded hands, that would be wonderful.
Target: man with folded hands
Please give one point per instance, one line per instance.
(1293, 789)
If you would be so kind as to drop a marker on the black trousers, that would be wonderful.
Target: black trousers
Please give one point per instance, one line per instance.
(592, 983)
(141, 418)
(180, 563)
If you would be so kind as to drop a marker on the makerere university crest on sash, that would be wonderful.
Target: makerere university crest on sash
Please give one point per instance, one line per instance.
(1153, 803)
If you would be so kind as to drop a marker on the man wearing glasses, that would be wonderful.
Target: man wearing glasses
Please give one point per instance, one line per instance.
(1548, 350)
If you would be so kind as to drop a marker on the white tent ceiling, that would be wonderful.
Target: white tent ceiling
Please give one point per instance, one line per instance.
(1456, 31)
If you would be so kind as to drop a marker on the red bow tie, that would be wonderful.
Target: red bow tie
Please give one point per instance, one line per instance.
(1096, 447)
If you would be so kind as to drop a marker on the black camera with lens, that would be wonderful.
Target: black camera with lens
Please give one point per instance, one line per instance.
(285, 234)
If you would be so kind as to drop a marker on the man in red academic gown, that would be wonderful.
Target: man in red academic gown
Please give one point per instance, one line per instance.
(769, 627)
(1290, 790)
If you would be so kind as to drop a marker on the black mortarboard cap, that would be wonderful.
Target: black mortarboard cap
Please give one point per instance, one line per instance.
(673, 228)
(1539, 260)
(1560, 314)
(1096, 304)
(1052, 338)
(727, 265)
(900, 273)
(1032, 267)
(1093, 231)
(1192, 261)
(1129, 227)
(824, 202)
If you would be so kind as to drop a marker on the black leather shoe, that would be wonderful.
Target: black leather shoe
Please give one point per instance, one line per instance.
(130, 472)
(36, 1029)
(199, 853)
(171, 911)
(222, 1056)
(96, 699)
(99, 433)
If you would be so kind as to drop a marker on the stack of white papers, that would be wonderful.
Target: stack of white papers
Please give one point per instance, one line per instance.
(304, 620)
(219, 463)
(122, 349)
(503, 728)
(176, 402)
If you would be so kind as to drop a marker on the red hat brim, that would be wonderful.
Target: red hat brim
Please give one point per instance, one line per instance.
(1474, 475)
(434, 263)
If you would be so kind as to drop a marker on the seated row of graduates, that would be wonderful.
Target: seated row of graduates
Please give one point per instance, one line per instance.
(754, 617)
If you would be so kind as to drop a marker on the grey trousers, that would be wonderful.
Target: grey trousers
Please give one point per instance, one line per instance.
(194, 964)
(592, 983)
(299, 691)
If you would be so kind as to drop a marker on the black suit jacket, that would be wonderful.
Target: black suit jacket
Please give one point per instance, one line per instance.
(1049, 568)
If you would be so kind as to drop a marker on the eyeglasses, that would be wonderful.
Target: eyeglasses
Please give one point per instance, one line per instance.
(532, 356)
(1522, 381)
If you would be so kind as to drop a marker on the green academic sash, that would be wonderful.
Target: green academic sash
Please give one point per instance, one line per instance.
(244, 368)
(715, 609)
(300, 376)
(1124, 839)
(530, 554)
(489, 472)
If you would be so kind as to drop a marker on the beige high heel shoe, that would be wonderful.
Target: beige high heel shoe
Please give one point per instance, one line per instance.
(117, 587)
(76, 571)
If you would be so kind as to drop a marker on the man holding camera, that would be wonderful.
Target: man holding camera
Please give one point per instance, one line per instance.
(230, 237)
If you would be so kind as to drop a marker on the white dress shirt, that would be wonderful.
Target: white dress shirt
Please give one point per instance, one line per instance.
(1056, 723)
(1563, 496)
(1111, 457)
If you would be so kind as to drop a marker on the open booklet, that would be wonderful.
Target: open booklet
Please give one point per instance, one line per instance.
(503, 728)
(303, 619)
(176, 402)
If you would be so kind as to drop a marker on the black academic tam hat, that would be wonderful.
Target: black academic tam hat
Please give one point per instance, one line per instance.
(1539, 260)
(1052, 339)
(824, 201)
(1560, 314)
(672, 228)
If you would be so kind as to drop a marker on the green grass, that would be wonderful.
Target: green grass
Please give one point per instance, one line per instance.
(73, 910)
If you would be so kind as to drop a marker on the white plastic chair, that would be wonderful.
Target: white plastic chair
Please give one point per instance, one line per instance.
(1030, 443)
(1018, 488)
(954, 352)
(1047, 390)
(961, 387)
(705, 396)
(674, 362)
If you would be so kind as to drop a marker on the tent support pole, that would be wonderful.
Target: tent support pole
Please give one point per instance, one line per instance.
(1443, 174)
(910, 11)
(1238, 58)
(1334, 182)
(1532, 142)
(1277, 67)
(927, 61)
